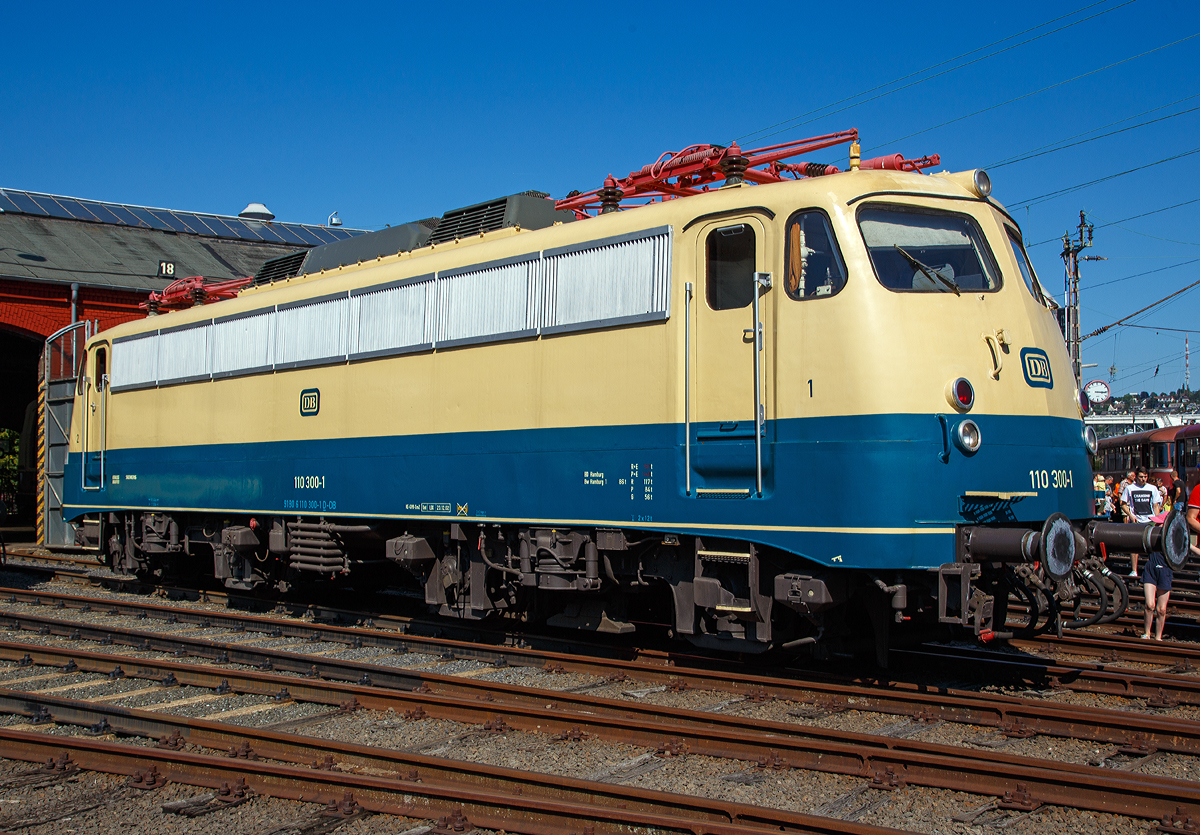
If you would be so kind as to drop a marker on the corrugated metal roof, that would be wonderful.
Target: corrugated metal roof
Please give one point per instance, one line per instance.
(119, 256)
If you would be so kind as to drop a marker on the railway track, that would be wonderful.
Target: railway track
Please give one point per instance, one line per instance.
(881, 759)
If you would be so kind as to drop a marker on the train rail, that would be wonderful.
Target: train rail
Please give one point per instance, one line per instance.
(618, 810)
(881, 759)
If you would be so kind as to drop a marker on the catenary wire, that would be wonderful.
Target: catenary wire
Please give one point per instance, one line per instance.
(1139, 275)
(1145, 234)
(794, 122)
(1092, 139)
(1051, 145)
(1042, 198)
(1099, 331)
(1126, 220)
(1156, 328)
(1042, 90)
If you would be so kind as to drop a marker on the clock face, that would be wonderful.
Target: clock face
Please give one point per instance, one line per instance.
(1097, 391)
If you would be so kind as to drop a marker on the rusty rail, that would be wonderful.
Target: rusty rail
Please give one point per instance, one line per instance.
(881, 759)
(483, 807)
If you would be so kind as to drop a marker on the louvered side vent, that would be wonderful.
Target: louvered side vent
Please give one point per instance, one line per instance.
(277, 269)
(473, 220)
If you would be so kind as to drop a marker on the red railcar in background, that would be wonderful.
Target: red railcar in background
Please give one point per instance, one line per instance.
(1172, 449)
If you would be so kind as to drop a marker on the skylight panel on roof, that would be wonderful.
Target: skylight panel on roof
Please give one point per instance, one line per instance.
(265, 231)
(304, 233)
(6, 204)
(287, 233)
(25, 203)
(74, 209)
(50, 205)
(125, 216)
(171, 220)
(198, 224)
(240, 230)
(100, 212)
(147, 218)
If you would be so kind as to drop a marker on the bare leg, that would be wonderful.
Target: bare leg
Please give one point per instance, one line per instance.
(1151, 591)
(1133, 571)
(1160, 614)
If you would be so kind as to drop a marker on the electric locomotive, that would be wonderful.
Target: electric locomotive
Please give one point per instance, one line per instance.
(772, 405)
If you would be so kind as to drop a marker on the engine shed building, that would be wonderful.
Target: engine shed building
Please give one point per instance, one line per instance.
(65, 259)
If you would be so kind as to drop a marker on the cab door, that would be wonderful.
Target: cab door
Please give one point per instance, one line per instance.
(731, 310)
(95, 424)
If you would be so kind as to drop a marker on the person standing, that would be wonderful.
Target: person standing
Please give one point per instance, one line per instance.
(1156, 585)
(1140, 501)
(1193, 516)
(1156, 580)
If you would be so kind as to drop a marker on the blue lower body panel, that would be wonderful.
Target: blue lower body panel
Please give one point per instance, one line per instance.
(876, 491)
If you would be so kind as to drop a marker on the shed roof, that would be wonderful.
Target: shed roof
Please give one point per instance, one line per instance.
(47, 238)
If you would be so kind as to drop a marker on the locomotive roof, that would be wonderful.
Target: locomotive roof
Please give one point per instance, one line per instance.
(845, 189)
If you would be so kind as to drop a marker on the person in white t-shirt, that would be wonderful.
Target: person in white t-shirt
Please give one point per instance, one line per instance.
(1140, 501)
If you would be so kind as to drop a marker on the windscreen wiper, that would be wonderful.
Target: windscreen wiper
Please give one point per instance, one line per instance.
(929, 272)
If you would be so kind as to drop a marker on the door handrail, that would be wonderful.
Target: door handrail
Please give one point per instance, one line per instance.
(687, 387)
(762, 281)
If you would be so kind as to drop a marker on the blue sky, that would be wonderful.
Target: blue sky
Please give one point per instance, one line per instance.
(393, 112)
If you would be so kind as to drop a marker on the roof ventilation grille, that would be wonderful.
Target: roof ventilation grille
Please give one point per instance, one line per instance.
(529, 210)
(277, 269)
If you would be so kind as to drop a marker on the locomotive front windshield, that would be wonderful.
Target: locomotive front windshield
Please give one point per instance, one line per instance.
(927, 252)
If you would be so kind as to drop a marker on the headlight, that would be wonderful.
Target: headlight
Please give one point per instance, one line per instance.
(968, 437)
(1089, 438)
(983, 183)
(1085, 404)
(961, 394)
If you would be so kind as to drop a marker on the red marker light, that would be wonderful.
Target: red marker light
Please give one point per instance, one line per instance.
(965, 395)
(961, 394)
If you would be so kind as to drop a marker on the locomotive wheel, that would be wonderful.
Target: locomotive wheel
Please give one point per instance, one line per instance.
(1118, 594)
(1088, 580)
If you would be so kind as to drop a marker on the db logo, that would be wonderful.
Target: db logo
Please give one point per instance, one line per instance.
(310, 402)
(1036, 366)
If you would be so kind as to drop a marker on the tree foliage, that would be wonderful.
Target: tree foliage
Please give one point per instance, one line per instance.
(9, 440)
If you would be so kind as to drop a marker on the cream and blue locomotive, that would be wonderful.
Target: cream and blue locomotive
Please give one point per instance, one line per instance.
(778, 414)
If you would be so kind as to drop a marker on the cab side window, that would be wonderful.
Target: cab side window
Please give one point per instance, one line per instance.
(814, 265)
(1031, 282)
(81, 380)
(101, 367)
(730, 258)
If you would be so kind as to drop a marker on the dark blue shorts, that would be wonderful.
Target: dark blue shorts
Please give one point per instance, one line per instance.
(1157, 572)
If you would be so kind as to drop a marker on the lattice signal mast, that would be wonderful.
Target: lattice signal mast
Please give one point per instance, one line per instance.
(696, 168)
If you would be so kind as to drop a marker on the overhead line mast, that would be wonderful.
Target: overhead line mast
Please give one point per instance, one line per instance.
(1071, 259)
